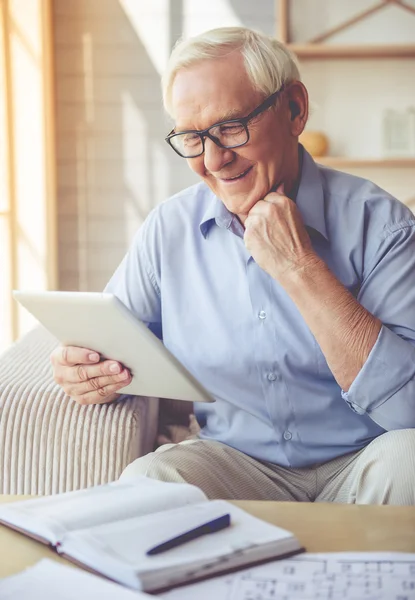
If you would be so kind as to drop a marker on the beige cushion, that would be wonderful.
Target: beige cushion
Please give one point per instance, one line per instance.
(50, 444)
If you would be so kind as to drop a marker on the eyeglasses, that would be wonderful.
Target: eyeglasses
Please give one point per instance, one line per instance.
(226, 134)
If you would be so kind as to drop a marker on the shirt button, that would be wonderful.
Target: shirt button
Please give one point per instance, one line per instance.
(262, 314)
(271, 376)
(287, 435)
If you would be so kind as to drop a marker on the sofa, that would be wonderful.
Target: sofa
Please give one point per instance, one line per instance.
(50, 444)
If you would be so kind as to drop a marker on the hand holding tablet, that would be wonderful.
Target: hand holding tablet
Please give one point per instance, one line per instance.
(87, 378)
(90, 322)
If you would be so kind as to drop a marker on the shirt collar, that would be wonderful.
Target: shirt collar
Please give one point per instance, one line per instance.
(216, 213)
(310, 196)
(309, 200)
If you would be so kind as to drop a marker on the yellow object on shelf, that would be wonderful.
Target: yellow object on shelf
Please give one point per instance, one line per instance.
(315, 142)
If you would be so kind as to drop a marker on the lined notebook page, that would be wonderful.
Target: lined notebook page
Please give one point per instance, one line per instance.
(116, 549)
(86, 508)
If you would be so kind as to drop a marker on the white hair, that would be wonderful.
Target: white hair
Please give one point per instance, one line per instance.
(269, 64)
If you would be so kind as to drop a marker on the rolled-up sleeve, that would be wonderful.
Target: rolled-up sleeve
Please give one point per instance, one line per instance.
(384, 389)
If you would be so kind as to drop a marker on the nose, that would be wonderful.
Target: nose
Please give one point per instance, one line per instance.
(216, 158)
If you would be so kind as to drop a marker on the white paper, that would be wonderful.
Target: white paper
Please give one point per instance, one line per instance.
(331, 576)
(49, 580)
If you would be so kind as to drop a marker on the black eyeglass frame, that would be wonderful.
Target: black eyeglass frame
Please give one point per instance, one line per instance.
(267, 103)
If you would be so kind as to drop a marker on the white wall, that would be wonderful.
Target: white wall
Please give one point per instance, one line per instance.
(113, 163)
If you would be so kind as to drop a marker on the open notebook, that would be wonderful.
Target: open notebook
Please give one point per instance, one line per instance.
(109, 529)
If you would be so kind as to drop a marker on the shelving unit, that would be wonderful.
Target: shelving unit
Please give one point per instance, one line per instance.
(316, 48)
(304, 51)
(345, 161)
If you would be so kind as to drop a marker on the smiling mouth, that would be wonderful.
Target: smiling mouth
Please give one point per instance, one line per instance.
(236, 177)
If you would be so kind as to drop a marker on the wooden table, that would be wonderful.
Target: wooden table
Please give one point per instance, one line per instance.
(320, 527)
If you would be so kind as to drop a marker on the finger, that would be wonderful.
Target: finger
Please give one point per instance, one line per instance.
(101, 386)
(280, 189)
(82, 372)
(101, 396)
(257, 209)
(278, 198)
(253, 222)
(72, 355)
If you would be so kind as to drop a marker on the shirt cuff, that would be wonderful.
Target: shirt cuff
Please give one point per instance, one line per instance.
(389, 367)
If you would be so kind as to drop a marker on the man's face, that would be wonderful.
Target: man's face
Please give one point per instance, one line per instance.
(219, 89)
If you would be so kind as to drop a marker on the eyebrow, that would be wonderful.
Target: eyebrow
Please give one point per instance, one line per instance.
(231, 114)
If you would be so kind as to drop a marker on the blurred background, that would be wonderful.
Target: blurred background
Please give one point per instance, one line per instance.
(82, 152)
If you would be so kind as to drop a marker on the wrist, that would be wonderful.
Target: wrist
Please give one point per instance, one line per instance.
(310, 268)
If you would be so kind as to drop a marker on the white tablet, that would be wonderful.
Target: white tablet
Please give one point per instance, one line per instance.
(101, 322)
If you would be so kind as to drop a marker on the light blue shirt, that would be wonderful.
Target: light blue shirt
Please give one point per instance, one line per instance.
(239, 333)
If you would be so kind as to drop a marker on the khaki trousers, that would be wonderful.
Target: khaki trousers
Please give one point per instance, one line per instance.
(381, 473)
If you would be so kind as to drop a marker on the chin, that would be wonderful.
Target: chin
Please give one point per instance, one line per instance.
(237, 207)
(241, 205)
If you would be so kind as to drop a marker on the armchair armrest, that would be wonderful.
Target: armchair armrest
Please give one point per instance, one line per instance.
(48, 443)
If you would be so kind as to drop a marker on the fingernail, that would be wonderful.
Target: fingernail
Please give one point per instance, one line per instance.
(124, 375)
(94, 356)
(114, 368)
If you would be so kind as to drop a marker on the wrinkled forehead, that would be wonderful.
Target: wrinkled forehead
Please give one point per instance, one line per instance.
(211, 91)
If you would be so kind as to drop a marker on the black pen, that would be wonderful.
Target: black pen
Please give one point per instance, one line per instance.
(209, 527)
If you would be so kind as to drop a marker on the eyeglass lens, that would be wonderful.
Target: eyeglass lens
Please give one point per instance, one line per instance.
(228, 135)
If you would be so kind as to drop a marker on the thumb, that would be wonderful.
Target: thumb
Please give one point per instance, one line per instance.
(280, 189)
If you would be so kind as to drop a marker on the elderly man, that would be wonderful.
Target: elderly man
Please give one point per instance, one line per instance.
(286, 288)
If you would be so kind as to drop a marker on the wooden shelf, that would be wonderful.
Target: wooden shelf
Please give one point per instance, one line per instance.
(326, 51)
(345, 161)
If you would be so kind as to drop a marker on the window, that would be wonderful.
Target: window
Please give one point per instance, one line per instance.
(27, 159)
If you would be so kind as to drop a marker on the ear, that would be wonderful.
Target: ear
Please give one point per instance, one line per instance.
(294, 109)
(297, 107)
